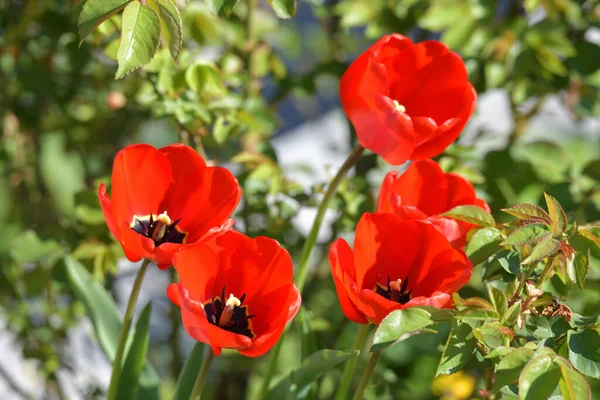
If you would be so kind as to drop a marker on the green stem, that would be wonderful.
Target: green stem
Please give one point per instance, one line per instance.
(311, 240)
(359, 343)
(271, 367)
(367, 375)
(133, 297)
(201, 379)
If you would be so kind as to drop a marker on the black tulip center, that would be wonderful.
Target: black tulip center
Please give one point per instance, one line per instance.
(159, 228)
(229, 314)
(395, 290)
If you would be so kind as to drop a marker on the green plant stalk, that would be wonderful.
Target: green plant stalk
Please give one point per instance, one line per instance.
(359, 394)
(127, 318)
(359, 343)
(201, 379)
(311, 241)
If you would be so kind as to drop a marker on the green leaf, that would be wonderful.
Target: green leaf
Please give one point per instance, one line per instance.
(584, 352)
(136, 356)
(189, 372)
(545, 248)
(577, 268)
(539, 378)
(509, 261)
(510, 366)
(311, 369)
(308, 337)
(140, 37)
(458, 350)
(27, 247)
(510, 316)
(472, 214)
(221, 129)
(528, 211)
(588, 233)
(222, 7)
(573, 385)
(484, 243)
(491, 334)
(105, 317)
(94, 12)
(203, 77)
(557, 214)
(170, 21)
(477, 314)
(526, 234)
(498, 299)
(284, 8)
(398, 325)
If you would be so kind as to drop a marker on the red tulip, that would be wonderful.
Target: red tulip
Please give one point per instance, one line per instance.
(424, 191)
(407, 101)
(395, 264)
(235, 292)
(162, 199)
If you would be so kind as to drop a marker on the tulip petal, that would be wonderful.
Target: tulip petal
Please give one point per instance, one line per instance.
(107, 210)
(198, 266)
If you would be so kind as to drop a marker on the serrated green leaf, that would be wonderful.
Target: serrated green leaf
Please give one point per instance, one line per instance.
(577, 268)
(477, 314)
(284, 8)
(140, 37)
(589, 234)
(398, 325)
(512, 313)
(526, 234)
(472, 214)
(136, 356)
(510, 366)
(483, 244)
(498, 299)
(573, 385)
(557, 214)
(526, 211)
(458, 350)
(94, 12)
(545, 248)
(584, 352)
(189, 372)
(539, 378)
(170, 21)
(491, 334)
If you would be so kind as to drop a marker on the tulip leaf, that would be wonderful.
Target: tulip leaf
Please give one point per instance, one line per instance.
(584, 351)
(94, 12)
(573, 385)
(189, 373)
(471, 214)
(557, 214)
(458, 350)
(312, 368)
(526, 234)
(140, 37)
(170, 21)
(526, 211)
(136, 356)
(510, 366)
(539, 378)
(284, 8)
(577, 268)
(545, 248)
(399, 325)
(483, 244)
(104, 315)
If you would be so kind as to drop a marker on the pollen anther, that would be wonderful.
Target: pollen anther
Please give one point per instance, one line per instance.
(399, 106)
(230, 305)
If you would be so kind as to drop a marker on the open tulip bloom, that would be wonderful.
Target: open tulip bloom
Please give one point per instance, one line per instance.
(164, 198)
(235, 292)
(424, 191)
(407, 101)
(395, 264)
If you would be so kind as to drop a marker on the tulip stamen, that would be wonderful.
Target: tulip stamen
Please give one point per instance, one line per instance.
(160, 228)
(395, 290)
(231, 315)
(399, 107)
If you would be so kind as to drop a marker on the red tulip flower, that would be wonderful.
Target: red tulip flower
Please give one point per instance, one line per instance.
(235, 292)
(407, 101)
(424, 191)
(162, 199)
(395, 264)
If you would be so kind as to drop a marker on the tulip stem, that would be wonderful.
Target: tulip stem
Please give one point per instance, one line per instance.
(311, 240)
(201, 379)
(127, 318)
(359, 343)
(359, 394)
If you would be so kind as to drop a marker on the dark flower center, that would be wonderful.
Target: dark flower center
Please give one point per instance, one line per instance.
(229, 315)
(159, 228)
(395, 290)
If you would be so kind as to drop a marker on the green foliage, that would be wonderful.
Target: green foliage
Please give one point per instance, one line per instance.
(399, 325)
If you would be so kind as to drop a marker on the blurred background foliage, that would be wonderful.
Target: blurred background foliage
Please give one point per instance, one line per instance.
(242, 77)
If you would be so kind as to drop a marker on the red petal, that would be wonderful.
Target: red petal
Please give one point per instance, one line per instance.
(134, 245)
(270, 310)
(140, 179)
(437, 300)
(107, 210)
(376, 306)
(185, 161)
(163, 254)
(197, 266)
(341, 261)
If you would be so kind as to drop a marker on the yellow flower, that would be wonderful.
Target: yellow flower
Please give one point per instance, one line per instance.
(458, 386)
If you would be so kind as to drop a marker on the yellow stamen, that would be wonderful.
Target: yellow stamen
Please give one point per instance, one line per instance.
(230, 305)
(399, 106)
(162, 222)
(395, 287)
